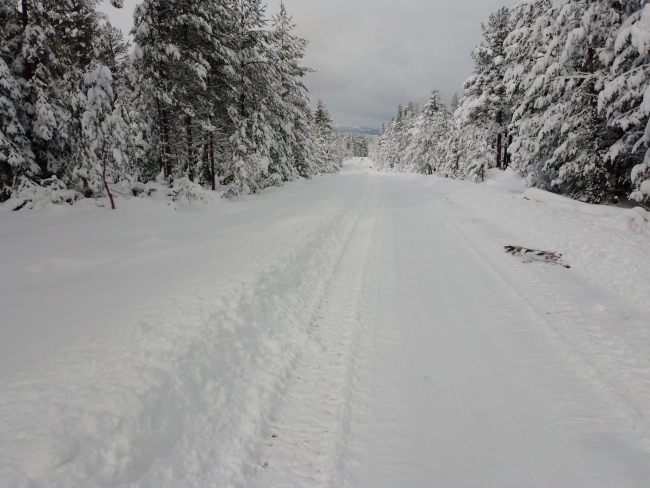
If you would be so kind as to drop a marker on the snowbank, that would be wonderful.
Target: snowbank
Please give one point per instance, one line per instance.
(153, 342)
(30, 195)
(633, 219)
(52, 192)
(606, 245)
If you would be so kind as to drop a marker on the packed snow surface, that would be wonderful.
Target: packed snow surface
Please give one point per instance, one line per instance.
(363, 329)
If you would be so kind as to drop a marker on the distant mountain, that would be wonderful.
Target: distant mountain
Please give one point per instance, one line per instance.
(347, 129)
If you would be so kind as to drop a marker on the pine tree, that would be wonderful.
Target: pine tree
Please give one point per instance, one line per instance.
(213, 90)
(15, 154)
(326, 157)
(425, 150)
(623, 98)
(101, 153)
(580, 159)
(292, 156)
(486, 104)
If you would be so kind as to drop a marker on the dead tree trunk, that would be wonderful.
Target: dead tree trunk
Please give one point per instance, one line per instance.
(499, 138)
(213, 176)
(190, 149)
(108, 190)
(167, 160)
(29, 69)
(506, 145)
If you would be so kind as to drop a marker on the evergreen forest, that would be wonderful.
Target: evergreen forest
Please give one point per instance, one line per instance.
(560, 93)
(211, 92)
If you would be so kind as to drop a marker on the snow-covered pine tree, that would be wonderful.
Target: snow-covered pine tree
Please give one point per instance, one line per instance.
(212, 91)
(101, 153)
(450, 145)
(326, 157)
(426, 147)
(485, 103)
(624, 99)
(399, 136)
(452, 151)
(47, 47)
(179, 60)
(455, 103)
(533, 61)
(557, 58)
(475, 154)
(567, 83)
(378, 152)
(250, 101)
(395, 138)
(15, 154)
(29, 54)
(580, 160)
(529, 36)
(384, 141)
(359, 146)
(292, 155)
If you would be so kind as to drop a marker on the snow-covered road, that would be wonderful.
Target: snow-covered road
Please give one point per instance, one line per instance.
(359, 330)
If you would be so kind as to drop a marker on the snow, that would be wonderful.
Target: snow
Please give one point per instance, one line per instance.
(645, 187)
(635, 219)
(605, 244)
(359, 329)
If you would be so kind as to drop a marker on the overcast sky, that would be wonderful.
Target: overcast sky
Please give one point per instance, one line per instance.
(372, 55)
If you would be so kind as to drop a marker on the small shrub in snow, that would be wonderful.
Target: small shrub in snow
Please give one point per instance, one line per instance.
(137, 189)
(274, 179)
(184, 190)
(140, 190)
(30, 195)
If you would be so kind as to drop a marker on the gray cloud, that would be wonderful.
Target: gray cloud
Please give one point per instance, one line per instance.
(371, 55)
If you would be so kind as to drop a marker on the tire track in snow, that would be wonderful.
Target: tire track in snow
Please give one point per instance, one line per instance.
(466, 377)
(307, 444)
(464, 388)
(546, 299)
(178, 391)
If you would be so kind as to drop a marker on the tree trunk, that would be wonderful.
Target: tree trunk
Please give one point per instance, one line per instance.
(499, 138)
(499, 150)
(213, 176)
(506, 145)
(592, 89)
(242, 104)
(29, 69)
(190, 149)
(108, 190)
(165, 143)
(25, 8)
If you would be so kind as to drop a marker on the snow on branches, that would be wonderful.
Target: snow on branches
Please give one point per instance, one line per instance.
(213, 92)
(560, 93)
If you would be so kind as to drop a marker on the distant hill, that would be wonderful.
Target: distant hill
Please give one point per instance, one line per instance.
(355, 130)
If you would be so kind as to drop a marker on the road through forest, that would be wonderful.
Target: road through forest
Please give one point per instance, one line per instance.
(434, 369)
(376, 336)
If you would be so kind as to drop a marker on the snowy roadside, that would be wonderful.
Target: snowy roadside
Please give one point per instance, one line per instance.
(68, 270)
(152, 347)
(212, 311)
(598, 310)
(608, 246)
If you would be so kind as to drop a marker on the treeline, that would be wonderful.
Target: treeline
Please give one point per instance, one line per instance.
(357, 145)
(561, 93)
(211, 92)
